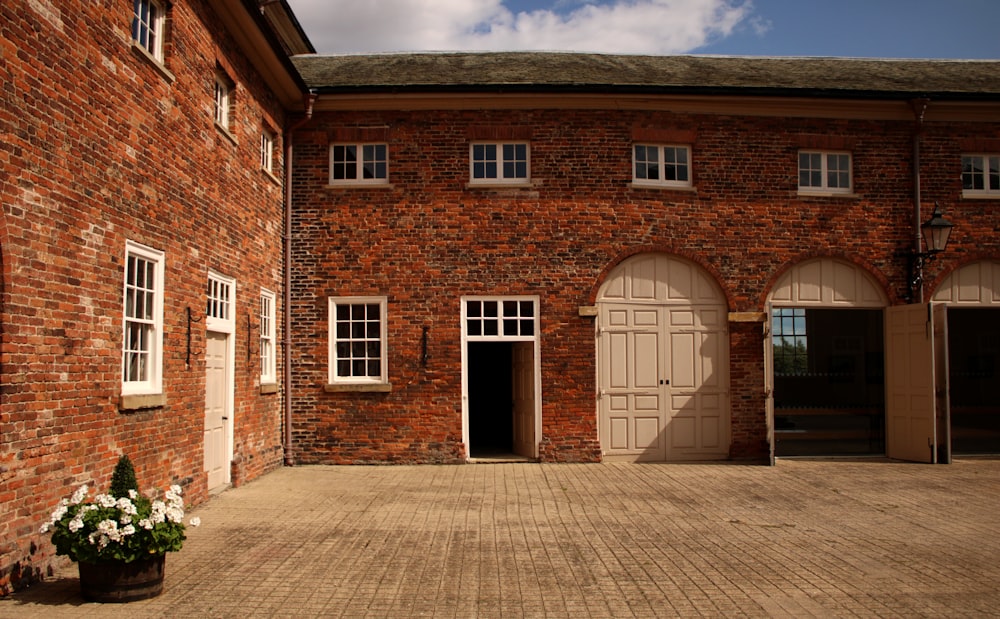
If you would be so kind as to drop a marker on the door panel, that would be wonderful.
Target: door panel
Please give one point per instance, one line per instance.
(910, 422)
(941, 387)
(216, 403)
(524, 398)
(631, 399)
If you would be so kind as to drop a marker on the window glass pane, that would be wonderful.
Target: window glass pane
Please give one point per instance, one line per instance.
(994, 181)
(510, 327)
(473, 309)
(528, 327)
(491, 327)
(510, 308)
(489, 308)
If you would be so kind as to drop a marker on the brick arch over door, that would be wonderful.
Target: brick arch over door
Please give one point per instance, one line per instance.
(663, 361)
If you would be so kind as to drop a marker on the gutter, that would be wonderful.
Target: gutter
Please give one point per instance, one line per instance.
(919, 107)
(286, 341)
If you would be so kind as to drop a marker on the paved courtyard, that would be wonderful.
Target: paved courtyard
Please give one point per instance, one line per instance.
(802, 539)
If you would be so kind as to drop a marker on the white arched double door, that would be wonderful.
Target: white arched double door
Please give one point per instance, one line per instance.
(663, 362)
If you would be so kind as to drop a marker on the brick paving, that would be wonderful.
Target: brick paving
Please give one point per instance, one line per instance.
(802, 539)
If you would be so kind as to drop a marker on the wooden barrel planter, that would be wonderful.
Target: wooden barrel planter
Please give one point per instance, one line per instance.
(122, 582)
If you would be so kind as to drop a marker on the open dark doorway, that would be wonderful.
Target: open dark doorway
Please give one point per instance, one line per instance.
(974, 380)
(829, 388)
(491, 400)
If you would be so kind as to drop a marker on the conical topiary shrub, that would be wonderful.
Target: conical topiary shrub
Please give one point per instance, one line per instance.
(123, 479)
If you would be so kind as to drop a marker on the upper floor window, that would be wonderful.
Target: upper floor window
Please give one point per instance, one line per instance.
(662, 165)
(148, 27)
(223, 100)
(823, 172)
(267, 358)
(142, 318)
(267, 151)
(981, 175)
(358, 340)
(501, 162)
(359, 163)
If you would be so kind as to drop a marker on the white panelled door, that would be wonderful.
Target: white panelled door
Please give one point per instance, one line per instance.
(216, 408)
(663, 362)
(523, 371)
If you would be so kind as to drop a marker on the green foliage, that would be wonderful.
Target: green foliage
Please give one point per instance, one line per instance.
(123, 479)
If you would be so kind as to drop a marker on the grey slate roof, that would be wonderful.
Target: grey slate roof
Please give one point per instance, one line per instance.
(578, 72)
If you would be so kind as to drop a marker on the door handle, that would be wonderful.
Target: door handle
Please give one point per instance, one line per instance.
(665, 381)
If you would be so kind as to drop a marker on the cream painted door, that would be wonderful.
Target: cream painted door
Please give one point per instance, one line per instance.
(523, 369)
(910, 420)
(663, 394)
(696, 396)
(632, 398)
(216, 408)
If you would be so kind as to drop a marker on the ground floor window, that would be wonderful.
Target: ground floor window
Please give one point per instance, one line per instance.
(829, 387)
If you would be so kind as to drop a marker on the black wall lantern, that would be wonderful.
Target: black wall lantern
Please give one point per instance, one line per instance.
(935, 231)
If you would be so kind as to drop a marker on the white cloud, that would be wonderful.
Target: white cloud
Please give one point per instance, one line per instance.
(618, 26)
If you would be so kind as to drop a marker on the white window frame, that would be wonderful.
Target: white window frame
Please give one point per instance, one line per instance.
(267, 150)
(148, 21)
(366, 159)
(150, 379)
(662, 165)
(500, 161)
(825, 170)
(268, 362)
(220, 306)
(500, 318)
(223, 88)
(989, 174)
(334, 339)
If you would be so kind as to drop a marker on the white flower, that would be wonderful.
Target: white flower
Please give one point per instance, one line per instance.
(79, 495)
(76, 523)
(175, 515)
(132, 494)
(176, 490)
(146, 523)
(126, 506)
(128, 530)
(45, 528)
(196, 521)
(58, 513)
(105, 500)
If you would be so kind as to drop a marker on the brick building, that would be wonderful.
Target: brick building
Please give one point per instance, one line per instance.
(141, 166)
(562, 257)
(578, 257)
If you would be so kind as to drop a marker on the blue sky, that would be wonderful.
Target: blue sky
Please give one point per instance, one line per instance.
(862, 28)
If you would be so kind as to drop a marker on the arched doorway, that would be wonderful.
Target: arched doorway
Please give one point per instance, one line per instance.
(971, 298)
(663, 362)
(825, 361)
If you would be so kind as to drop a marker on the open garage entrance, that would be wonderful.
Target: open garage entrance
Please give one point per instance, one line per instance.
(968, 418)
(825, 358)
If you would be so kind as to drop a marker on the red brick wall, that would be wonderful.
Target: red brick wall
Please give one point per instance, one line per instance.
(430, 238)
(97, 148)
